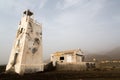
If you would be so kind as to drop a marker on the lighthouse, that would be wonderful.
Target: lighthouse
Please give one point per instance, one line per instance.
(26, 53)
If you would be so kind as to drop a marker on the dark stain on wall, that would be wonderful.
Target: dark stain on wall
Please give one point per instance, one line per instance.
(15, 59)
(34, 50)
(36, 41)
(31, 26)
(35, 45)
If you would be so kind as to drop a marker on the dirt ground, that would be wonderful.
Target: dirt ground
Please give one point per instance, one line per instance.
(62, 75)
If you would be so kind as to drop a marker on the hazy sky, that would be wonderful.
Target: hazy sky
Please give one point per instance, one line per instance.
(92, 25)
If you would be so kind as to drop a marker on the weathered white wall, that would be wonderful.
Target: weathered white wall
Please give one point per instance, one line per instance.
(71, 66)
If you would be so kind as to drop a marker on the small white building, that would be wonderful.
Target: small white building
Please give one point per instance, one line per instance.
(70, 56)
(70, 60)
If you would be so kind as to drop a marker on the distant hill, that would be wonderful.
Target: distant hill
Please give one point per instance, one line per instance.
(113, 54)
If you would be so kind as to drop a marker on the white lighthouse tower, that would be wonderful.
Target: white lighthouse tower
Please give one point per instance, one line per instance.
(26, 54)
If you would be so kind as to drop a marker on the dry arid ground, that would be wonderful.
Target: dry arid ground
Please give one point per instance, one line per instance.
(62, 75)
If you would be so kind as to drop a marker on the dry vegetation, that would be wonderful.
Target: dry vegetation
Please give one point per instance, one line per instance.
(62, 75)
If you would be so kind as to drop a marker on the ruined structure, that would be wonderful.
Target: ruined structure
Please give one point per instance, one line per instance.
(26, 54)
(70, 56)
(70, 60)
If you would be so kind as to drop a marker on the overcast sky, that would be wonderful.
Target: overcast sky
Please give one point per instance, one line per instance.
(92, 25)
